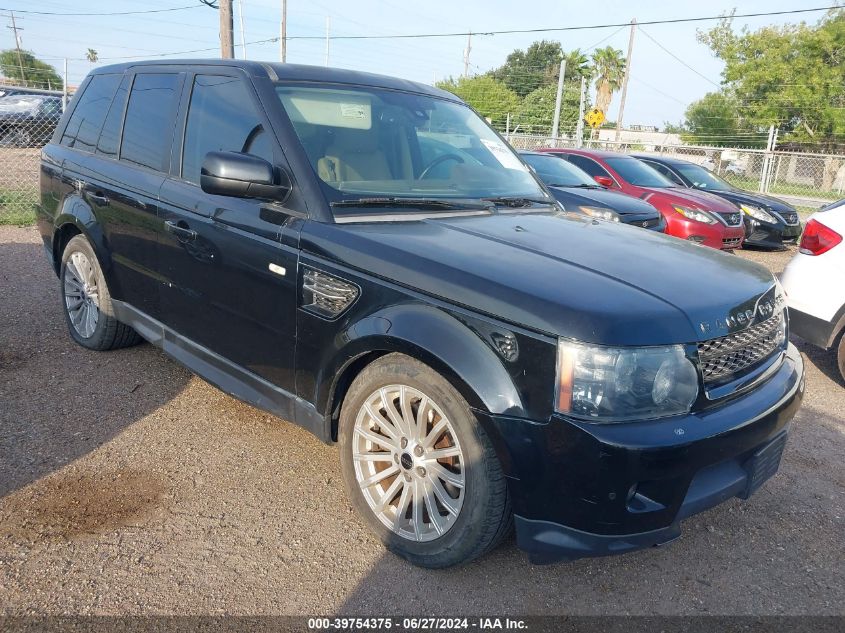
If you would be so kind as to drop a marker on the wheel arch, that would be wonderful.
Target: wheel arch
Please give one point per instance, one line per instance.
(77, 218)
(430, 336)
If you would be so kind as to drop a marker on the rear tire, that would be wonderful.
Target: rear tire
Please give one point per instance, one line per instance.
(87, 304)
(840, 354)
(438, 497)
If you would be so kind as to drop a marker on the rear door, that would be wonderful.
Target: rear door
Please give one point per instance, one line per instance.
(230, 263)
(123, 178)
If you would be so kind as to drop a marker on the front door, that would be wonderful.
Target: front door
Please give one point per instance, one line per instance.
(230, 266)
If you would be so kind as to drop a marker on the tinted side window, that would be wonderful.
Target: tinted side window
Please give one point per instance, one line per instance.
(221, 117)
(671, 175)
(587, 164)
(110, 136)
(148, 127)
(84, 126)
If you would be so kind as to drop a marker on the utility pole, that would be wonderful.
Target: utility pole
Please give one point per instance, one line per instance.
(227, 30)
(328, 37)
(241, 26)
(15, 28)
(625, 80)
(64, 87)
(283, 33)
(558, 102)
(466, 54)
(582, 106)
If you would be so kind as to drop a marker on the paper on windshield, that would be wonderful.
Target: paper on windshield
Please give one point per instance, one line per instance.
(502, 154)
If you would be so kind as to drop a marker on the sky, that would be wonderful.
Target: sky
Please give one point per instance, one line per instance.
(660, 88)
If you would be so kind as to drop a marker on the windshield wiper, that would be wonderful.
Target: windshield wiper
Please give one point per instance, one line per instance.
(415, 203)
(584, 185)
(518, 202)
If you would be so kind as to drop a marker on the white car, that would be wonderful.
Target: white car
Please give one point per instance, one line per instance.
(814, 282)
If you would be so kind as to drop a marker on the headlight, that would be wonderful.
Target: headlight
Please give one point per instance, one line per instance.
(695, 214)
(615, 384)
(600, 213)
(758, 213)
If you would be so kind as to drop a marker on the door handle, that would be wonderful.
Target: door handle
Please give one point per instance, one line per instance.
(98, 198)
(180, 230)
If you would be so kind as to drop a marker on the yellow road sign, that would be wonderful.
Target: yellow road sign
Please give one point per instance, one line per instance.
(594, 118)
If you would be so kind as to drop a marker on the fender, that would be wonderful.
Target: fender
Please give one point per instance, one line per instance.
(76, 211)
(433, 336)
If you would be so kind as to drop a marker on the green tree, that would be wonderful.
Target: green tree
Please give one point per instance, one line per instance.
(492, 99)
(91, 55)
(34, 74)
(791, 76)
(716, 119)
(537, 111)
(577, 65)
(536, 66)
(609, 71)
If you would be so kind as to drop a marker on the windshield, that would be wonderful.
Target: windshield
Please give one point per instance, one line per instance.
(20, 103)
(367, 143)
(637, 173)
(702, 178)
(558, 173)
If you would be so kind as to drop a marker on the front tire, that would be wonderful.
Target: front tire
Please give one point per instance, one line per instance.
(417, 466)
(86, 300)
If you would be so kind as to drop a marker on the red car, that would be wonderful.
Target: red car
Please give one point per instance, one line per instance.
(691, 215)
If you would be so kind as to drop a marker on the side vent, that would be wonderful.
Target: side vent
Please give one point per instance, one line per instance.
(326, 295)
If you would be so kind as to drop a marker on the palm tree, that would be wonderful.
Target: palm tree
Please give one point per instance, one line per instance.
(609, 70)
(577, 65)
(92, 55)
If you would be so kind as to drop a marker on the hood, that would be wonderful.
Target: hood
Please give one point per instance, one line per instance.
(559, 274)
(692, 198)
(738, 196)
(621, 203)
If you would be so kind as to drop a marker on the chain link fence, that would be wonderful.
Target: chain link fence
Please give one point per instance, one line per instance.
(803, 179)
(27, 121)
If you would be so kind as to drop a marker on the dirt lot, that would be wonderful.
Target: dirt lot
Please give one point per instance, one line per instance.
(129, 486)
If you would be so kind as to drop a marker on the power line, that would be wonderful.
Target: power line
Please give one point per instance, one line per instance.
(565, 28)
(100, 14)
(670, 53)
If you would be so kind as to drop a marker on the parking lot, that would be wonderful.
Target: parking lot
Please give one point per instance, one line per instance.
(128, 486)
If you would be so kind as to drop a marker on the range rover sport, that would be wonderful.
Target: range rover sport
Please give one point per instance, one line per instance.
(365, 257)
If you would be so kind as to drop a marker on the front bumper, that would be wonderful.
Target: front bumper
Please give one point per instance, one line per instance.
(769, 235)
(582, 489)
(715, 235)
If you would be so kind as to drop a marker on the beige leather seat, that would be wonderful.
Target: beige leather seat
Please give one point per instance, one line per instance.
(354, 155)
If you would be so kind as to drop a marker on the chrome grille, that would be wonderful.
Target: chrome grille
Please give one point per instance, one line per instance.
(733, 218)
(789, 218)
(730, 355)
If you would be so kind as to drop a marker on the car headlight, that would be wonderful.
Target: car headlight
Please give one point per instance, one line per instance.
(758, 213)
(617, 384)
(695, 214)
(600, 213)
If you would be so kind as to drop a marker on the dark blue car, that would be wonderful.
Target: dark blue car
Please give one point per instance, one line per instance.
(769, 222)
(578, 192)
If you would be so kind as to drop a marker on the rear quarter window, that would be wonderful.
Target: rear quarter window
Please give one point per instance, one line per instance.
(84, 125)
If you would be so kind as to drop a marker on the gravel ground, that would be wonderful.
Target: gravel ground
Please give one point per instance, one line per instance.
(128, 486)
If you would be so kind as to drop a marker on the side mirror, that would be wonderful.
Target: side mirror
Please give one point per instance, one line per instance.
(604, 181)
(243, 176)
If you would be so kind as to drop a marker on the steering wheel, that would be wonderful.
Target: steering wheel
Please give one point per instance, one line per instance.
(440, 159)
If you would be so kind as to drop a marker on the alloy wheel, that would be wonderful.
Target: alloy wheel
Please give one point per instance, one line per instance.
(408, 463)
(81, 297)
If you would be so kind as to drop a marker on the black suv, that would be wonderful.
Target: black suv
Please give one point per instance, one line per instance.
(366, 257)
